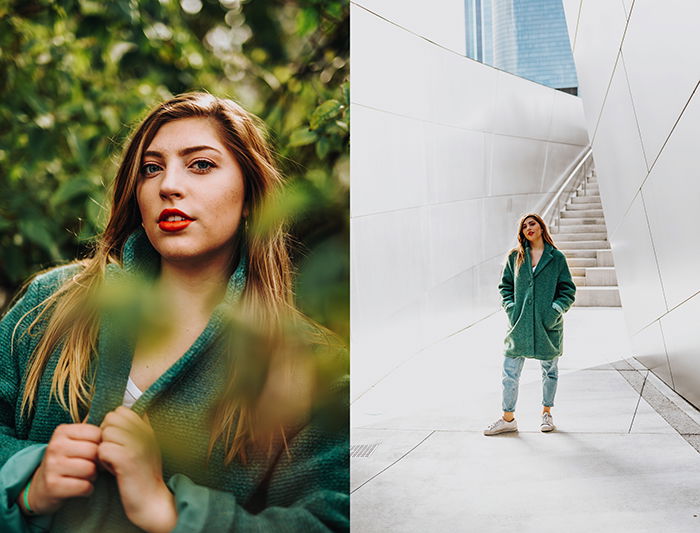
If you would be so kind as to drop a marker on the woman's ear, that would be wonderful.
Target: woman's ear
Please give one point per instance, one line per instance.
(245, 212)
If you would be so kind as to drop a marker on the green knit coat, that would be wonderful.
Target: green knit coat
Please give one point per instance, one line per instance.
(535, 302)
(305, 489)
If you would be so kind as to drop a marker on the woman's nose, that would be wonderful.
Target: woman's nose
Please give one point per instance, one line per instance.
(172, 183)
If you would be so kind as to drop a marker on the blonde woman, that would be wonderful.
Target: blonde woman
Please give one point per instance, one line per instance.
(103, 428)
(536, 290)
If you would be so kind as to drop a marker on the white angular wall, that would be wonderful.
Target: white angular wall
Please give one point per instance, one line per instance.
(446, 154)
(638, 72)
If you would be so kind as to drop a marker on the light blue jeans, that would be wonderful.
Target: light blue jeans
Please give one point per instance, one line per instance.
(513, 366)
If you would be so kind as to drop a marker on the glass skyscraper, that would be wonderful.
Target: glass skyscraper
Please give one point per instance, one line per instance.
(525, 37)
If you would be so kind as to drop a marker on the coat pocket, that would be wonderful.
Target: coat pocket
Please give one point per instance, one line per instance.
(551, 318)
(510, 311)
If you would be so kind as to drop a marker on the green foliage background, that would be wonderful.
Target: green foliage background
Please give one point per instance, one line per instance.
(76, 76)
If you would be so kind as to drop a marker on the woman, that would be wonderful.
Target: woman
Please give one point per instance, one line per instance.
(536, 290)
(115, 418)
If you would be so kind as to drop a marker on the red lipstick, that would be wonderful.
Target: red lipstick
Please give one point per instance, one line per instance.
(171, 220)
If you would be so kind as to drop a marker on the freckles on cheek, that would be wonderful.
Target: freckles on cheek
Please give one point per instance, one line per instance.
(140, 201)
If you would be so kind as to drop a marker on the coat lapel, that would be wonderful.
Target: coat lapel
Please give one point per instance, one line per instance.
(115, 343)
(546, 258)
(116, 340)
(528, 260)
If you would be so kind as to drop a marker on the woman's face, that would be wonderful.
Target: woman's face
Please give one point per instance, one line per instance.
(531, 229)
(190, 192)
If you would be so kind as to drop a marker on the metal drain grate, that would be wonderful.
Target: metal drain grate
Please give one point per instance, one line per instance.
(362, 450)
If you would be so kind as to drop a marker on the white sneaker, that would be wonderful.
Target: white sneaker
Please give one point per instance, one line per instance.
(501, 426)
(547, 423)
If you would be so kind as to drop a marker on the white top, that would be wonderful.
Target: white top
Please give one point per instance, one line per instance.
(131, 394)
(533, 268)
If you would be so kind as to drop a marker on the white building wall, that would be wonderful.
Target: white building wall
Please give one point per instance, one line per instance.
(446, 154)
(638, 72)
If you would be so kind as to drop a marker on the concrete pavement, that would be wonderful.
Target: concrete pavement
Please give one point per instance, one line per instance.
(624, 456)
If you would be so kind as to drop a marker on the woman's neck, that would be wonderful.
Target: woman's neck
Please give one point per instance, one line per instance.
(197, 288)
(538, 244)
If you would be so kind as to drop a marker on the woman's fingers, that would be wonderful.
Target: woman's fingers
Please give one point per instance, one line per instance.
(117, 435)
(78, 449)
(71, 487)
(123, 417)
(68, 467)
(111, 455)
(78, 468)
(86, 432)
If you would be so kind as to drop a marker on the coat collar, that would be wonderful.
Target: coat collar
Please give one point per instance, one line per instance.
(547, 255)
(116, 346)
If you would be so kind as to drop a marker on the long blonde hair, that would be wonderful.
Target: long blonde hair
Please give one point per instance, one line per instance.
(268, 291)
(522, 240)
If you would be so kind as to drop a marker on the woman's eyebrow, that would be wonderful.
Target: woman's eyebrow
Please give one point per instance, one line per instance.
(183, 152)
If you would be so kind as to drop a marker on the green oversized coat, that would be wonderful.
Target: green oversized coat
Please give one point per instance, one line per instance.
(535, 302)
(304, 490)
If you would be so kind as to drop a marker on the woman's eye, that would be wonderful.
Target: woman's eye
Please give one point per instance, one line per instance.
(149, 168)
(203, 165)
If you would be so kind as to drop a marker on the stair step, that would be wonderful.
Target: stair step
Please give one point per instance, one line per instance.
(605, 258)
(579, 281)
(577, 272)
(574, 236)
(596, 296)
(601, 276)
(581, 262)
(577, 206)
(591, 199)
(584, 228)
(591, 253)
(589, 190)
(582, 213)
(582, 245)
(581, 220)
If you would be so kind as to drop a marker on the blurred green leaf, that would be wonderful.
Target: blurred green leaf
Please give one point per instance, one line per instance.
(5, 224)
(325, 112)
(302, 137)
(307, 20)
(323, 146)
(70, 189)
(37, 232)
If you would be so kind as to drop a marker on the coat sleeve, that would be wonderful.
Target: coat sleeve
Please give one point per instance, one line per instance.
(18, 457)
(308, 491)
(507, 285)
(565, 293)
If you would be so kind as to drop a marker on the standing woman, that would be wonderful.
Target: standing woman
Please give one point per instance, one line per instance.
(536, 290)
(114, 419)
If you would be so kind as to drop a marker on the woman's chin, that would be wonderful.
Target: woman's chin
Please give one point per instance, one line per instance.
(180, 253)
(190, 253)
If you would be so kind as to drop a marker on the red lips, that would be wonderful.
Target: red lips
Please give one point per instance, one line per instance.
(178, 224)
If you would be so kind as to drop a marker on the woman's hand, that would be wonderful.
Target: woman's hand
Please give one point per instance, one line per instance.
(129, 450)
(67, 470)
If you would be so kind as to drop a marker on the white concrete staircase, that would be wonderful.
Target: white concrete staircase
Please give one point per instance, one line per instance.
(583, 237)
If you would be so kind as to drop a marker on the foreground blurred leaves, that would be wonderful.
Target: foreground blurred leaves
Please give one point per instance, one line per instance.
(75, 76)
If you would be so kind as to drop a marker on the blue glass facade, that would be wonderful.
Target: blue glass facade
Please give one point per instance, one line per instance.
(525, 37)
